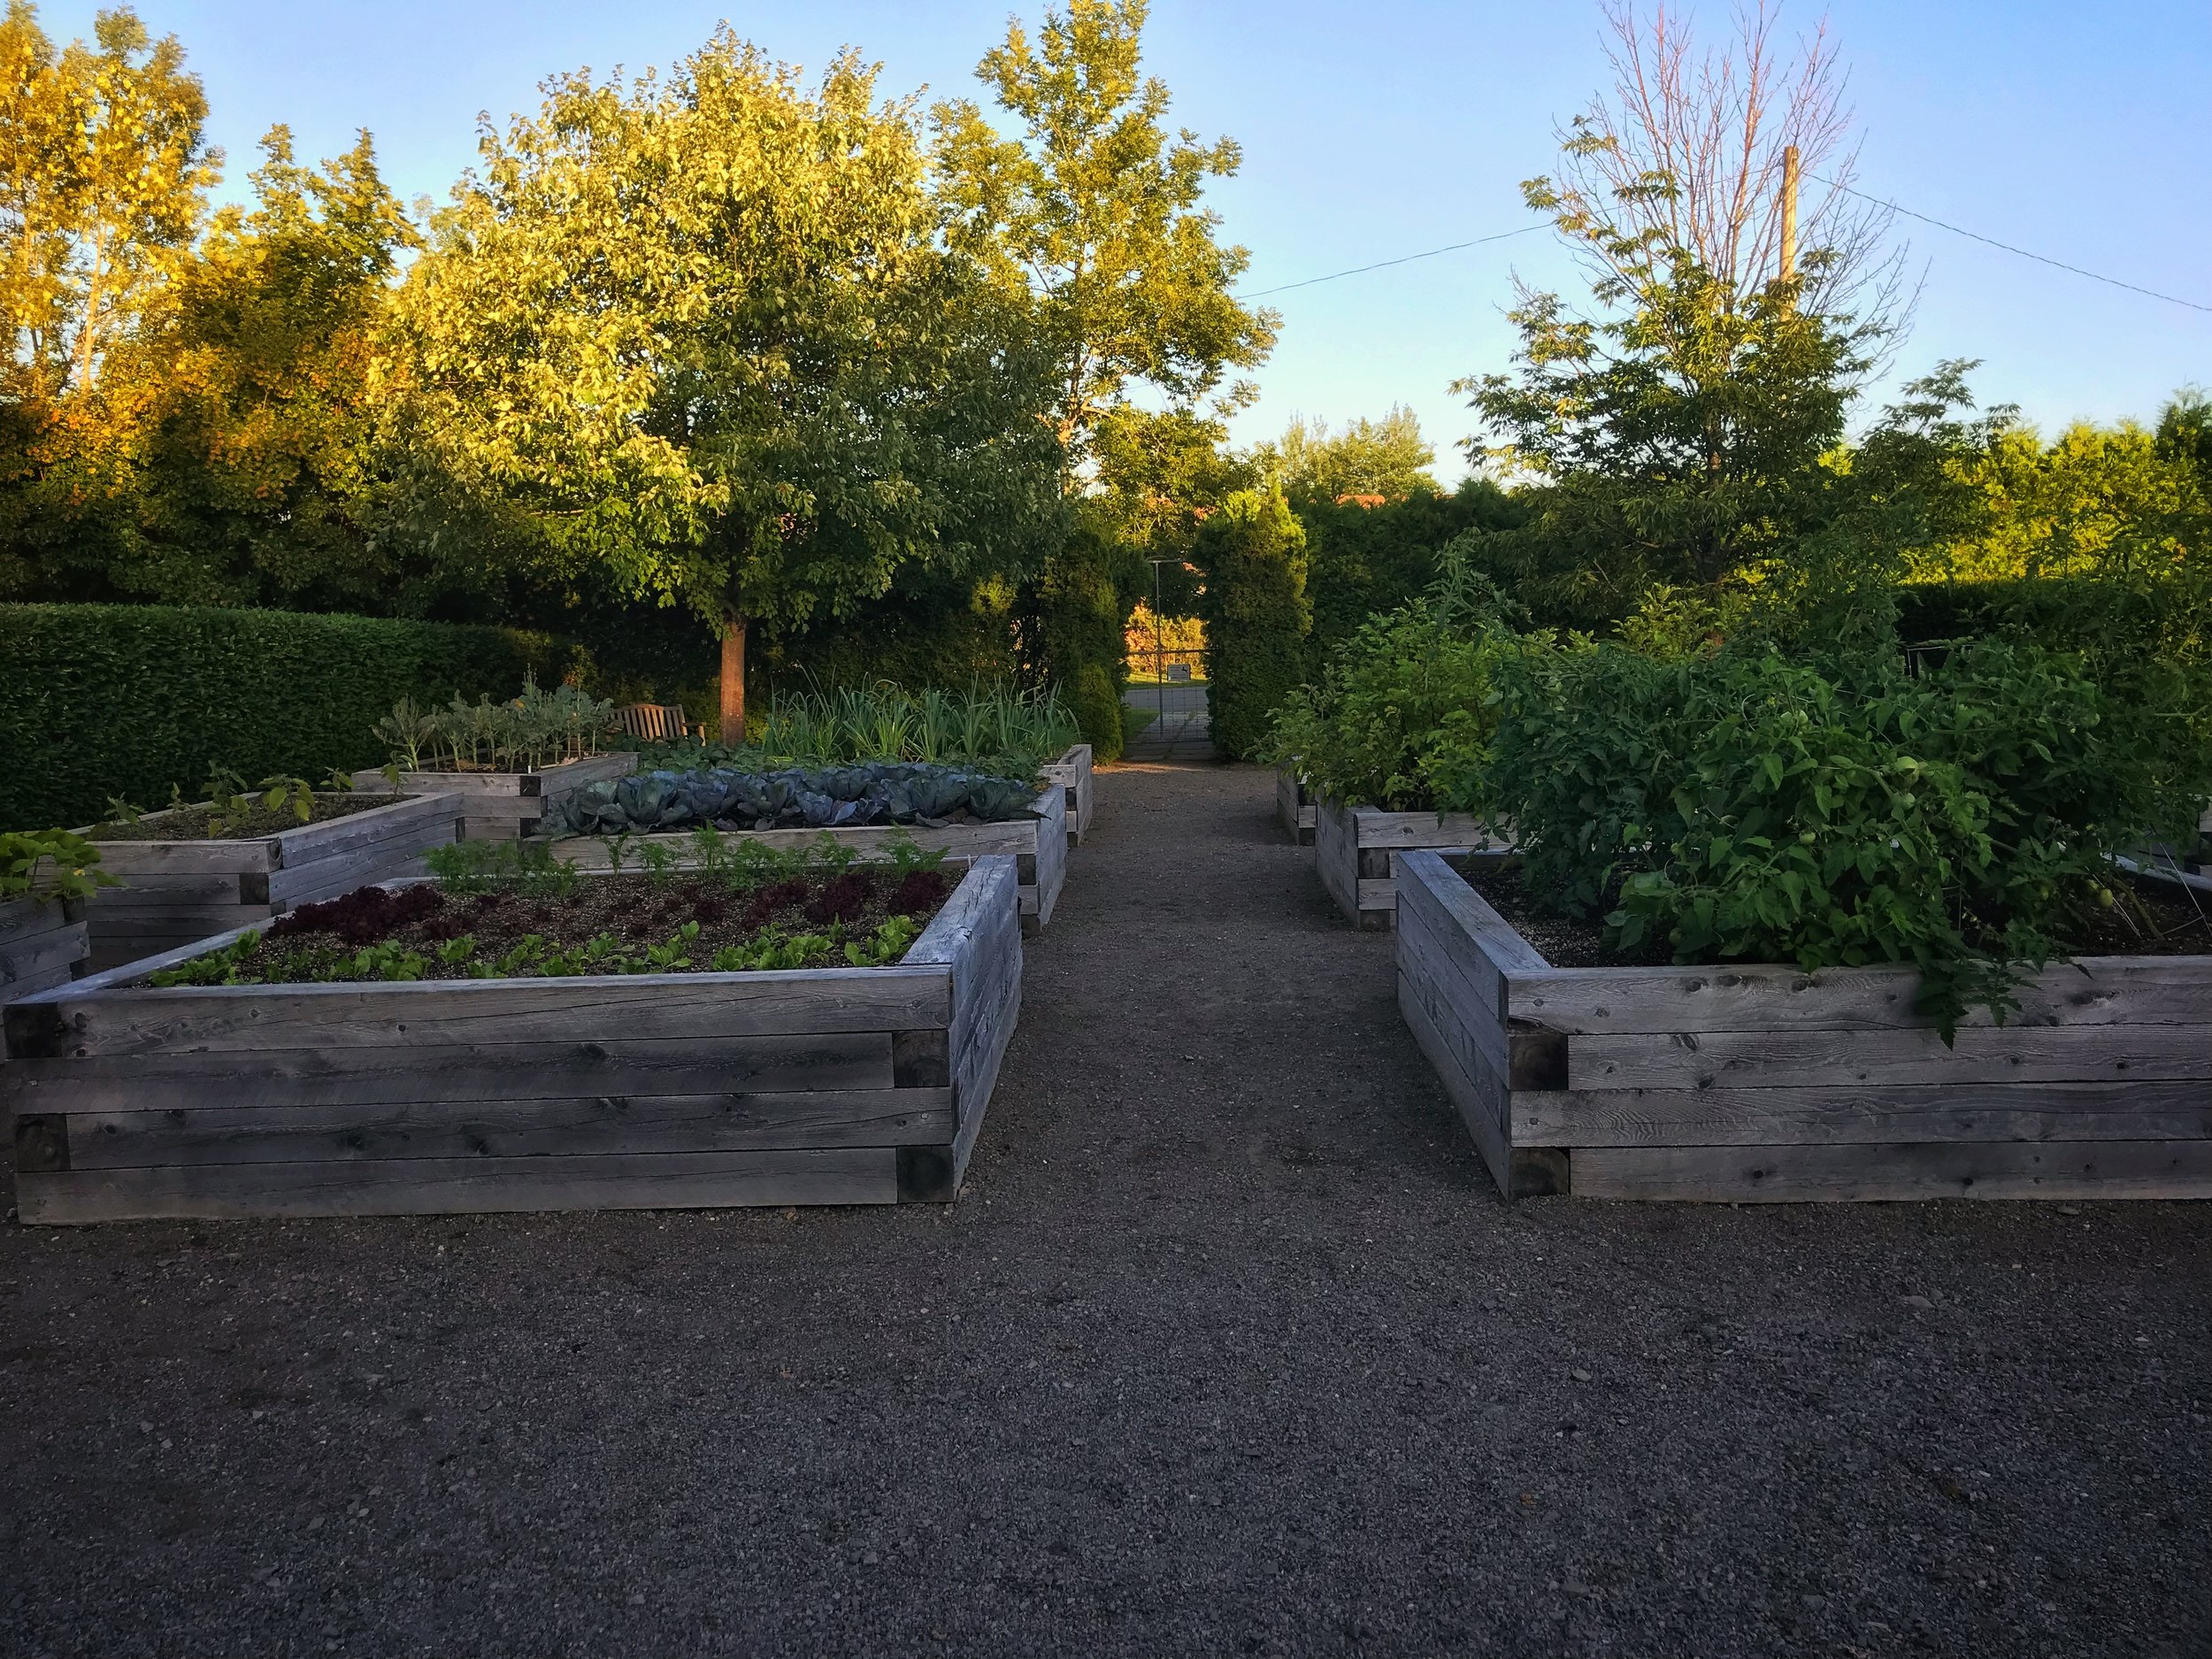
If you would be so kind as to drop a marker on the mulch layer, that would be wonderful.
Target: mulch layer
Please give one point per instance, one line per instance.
(1230, 1347)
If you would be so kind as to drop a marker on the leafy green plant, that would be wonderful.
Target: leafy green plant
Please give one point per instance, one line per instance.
(907, 856)
(50, 864)
(997, 726)
(528, 867)
(658, 860)
(225, 966)
(1403, 716)
(278, 793)
(536, 729)
(232, 806)
(886, 945)
(1749, 808)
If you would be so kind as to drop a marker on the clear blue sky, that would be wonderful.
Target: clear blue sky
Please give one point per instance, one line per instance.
(1378, 129)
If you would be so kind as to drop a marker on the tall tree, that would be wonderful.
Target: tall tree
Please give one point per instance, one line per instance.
(699, 340)
(224, 456)
(1099, 214)
(1686, 157)
(1679, 437)
(105, 169)
(1387, 460)
(1095, 215)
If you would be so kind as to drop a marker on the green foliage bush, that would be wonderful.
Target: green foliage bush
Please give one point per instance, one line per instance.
(1254, 554)
(1362, 561)
(1405, 701)
(1743, 807)
(2111, 621)
(100, 700)
(995, 727)
(1082, 617)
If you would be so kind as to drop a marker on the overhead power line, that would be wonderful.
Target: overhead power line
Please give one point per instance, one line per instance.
(1381, 264)
(2007, 247)
(1956, 230)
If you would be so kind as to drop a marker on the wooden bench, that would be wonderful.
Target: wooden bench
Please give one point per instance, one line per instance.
(657, 723)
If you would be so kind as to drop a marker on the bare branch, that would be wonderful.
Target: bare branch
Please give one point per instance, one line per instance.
(1685, 155)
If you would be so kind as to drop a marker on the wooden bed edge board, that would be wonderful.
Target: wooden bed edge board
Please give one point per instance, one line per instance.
(118, 980)
(950, 932)
(1498, 939)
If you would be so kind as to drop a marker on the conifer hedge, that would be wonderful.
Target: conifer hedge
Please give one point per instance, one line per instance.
(1252, 552)
(126, 700)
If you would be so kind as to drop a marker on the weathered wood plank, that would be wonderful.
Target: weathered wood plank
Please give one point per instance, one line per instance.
(27, 918)
(360, 866)
(1430, 830)
(31, 985)
(430, 816)
(1364, 845)
(1477, 1090)
(2094, 991)
(1436, 955)
(132, 860)
(1810, 1059)
(433, 1071)
(1336, 854)
(679, 1180)
(2175, 1111)
(567, 1126)
(1074, 771)
(509, 788)
(28, 956)
(1483, 943)
(1293, 807)
(2000, 1169)
(977, 939)
(180, 886)
(91, 1020)
(1051, 855)
(127, 916)
(984, 892)
(977, 1077)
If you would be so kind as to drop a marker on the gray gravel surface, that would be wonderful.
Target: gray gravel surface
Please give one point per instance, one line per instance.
(1230, 1348)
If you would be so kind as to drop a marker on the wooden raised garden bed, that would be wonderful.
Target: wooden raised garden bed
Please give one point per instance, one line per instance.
(178, 892)
(43, 943)
(1741, 1083)
(824, 1085)
(506, 806)
(1072, 771)
(1038, 846)
(1356, 849)
(1294, 806)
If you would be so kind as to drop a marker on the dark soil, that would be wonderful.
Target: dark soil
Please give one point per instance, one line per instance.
(194, 823)
(2151, 918)
(1230, 1347)
(637, 912)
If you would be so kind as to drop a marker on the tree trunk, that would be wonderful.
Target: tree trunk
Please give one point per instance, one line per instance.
(733, 680)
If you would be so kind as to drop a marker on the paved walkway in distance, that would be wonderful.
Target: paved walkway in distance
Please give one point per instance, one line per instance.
(1229, 1349)
(1183, 732)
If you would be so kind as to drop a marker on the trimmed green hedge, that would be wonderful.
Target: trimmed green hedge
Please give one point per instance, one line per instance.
(1253, 553)
(1085, 641)
(1362, 561)
(126, 700)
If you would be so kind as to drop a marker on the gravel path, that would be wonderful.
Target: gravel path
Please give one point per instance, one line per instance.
(1230, 1348)
(1182, 728)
